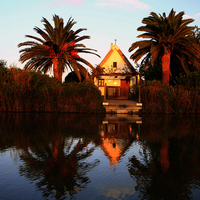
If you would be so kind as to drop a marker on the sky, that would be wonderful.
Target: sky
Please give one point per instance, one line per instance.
(105, 21)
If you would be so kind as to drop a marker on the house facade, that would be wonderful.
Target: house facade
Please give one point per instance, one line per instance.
(118, 75)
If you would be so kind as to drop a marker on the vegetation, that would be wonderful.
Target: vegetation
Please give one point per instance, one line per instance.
(151, 72)
(184, 96)
(3, 63)
(167, 38)
(98, 71)
(189, 81)
(169, 50)
(72, 77)
(196, 34)
(158, 97)
(59, 48)
(23, 91)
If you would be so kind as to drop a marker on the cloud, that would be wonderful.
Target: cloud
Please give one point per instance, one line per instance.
(62, 2)
(196, 16)
(118, 190)
(186, 16)
(124, 4)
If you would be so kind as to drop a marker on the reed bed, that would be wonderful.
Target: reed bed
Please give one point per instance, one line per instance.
(24, 91)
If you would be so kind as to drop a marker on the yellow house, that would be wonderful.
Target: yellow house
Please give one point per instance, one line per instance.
(118, 75)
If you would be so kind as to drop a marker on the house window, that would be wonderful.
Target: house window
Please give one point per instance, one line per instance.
(114, 64)
(101, 82)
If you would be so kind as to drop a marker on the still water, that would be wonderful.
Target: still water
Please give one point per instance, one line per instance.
(71, 156)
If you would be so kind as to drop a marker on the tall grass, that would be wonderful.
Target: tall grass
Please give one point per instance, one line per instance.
(158, 97)
(23, 91)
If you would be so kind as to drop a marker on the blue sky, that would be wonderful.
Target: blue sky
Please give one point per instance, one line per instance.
(105, 20)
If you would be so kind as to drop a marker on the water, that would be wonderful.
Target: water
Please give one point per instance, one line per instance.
(75, 156)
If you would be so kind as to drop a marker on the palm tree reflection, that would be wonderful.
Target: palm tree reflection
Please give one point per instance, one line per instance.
(60, 168)
(168, 166)
(56, 154)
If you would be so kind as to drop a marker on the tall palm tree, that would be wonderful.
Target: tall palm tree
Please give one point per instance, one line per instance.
(166, 36)
(58, 48)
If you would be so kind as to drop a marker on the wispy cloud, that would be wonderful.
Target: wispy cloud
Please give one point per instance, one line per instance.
(196, 16)
(64, 2)
(124, 4)
(186, 16)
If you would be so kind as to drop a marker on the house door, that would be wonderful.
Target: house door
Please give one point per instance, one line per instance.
(124, 89)
(125, 83)
(120, 92)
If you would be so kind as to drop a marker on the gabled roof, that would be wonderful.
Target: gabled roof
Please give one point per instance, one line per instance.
(115, 47)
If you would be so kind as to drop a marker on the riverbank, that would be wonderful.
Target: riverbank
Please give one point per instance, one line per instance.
(24, 91)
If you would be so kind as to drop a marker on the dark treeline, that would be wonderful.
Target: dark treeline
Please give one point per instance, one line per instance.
(24, 91)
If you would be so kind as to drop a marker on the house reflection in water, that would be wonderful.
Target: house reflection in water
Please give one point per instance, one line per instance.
(118, 133)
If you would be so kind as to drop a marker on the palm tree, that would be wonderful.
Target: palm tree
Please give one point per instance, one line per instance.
(58, 48)
(166, 36)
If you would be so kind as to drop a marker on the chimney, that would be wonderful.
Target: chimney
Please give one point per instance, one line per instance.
(111, 46)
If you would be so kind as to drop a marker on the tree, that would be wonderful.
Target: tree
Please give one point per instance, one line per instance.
(167, 37)
(59, 48)
(196, 34)
(3, 63)
(98, 71)
(152, 73)
(3, 68)
(72, 77)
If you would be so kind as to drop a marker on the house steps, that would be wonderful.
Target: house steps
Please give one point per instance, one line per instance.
(127, 118)
(122, 107)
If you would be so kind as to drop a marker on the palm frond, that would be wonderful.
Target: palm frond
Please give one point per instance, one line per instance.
(82, 60)
(42, 33)
(77, 72)
(48, 27)
(81, 38)
(35, 38)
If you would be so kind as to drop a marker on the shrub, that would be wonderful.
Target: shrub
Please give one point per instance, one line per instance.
(190, 81)
(158, 97)
(23, 91)
(83, 97)
(134, 93)
(161, 98)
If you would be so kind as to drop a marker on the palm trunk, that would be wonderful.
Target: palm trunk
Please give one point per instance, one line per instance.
(164, 157)
(166, 67)
(55, 150)
(57, 69)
